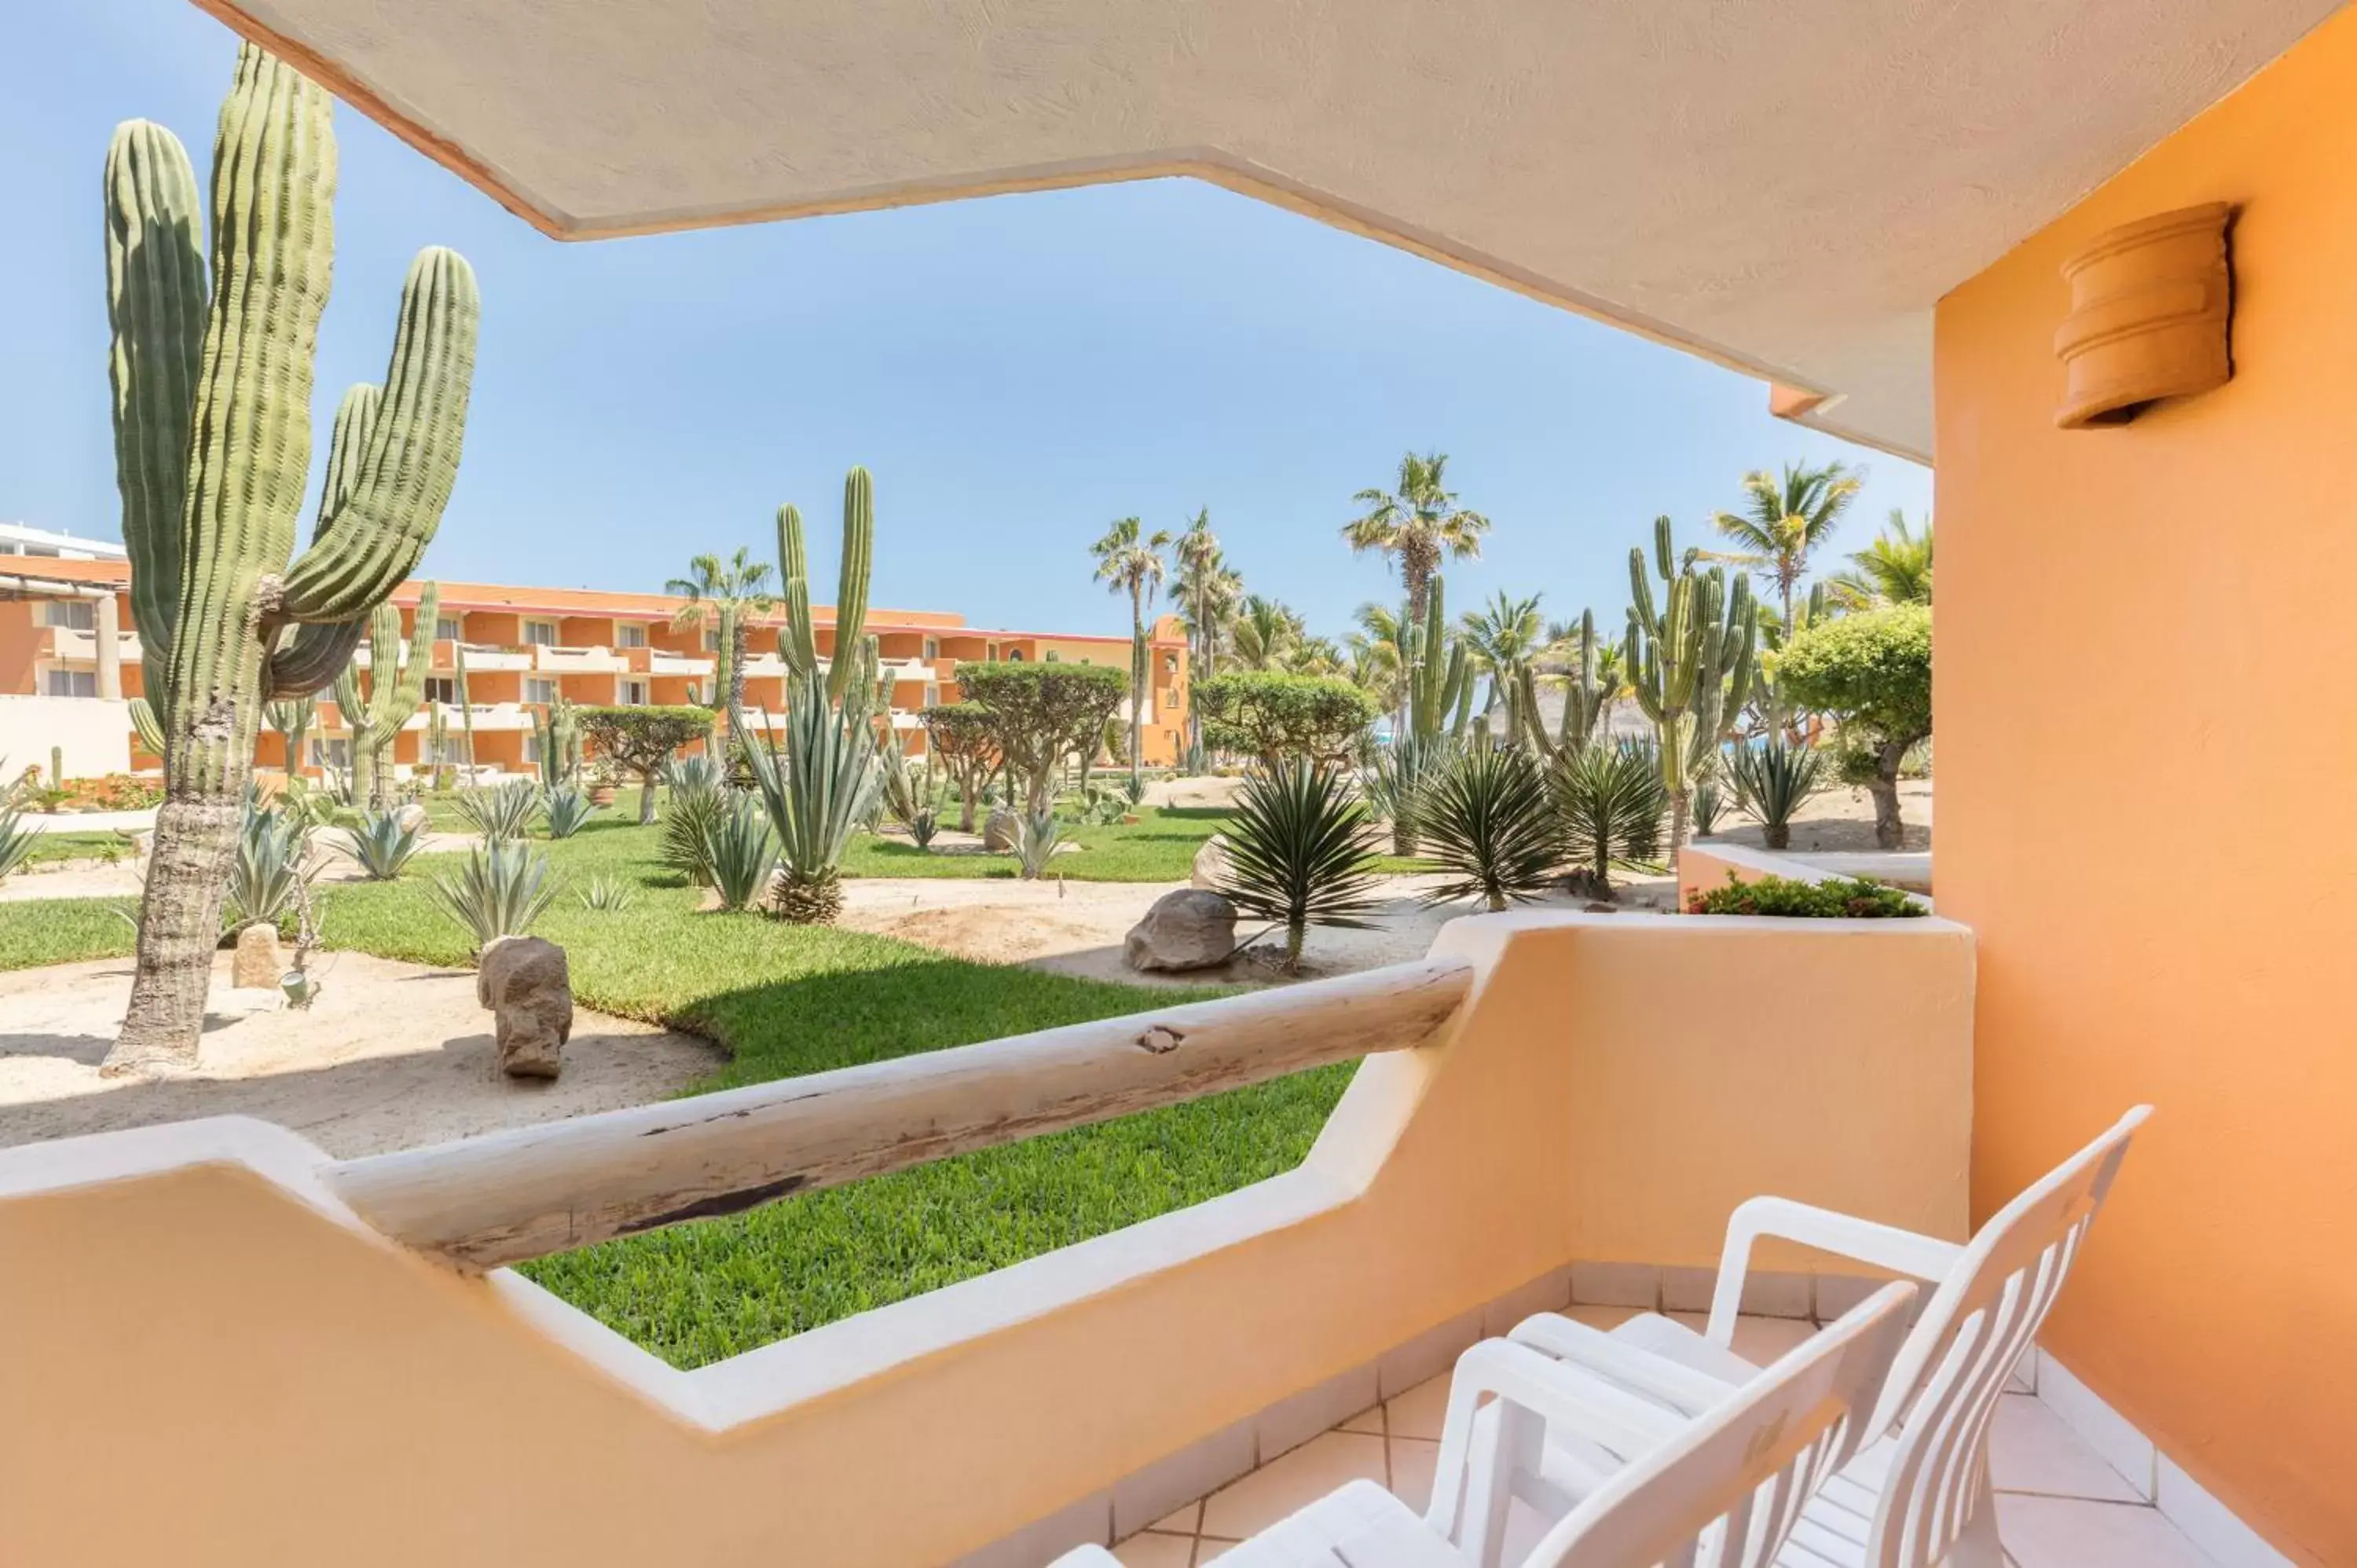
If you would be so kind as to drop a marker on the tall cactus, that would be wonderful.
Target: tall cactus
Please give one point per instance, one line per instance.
(292, 718)
(211, 405)
(1688, 662)
(1583, 703)
(797, 640)
(1440, 672)
(557, 737)
(396, 687)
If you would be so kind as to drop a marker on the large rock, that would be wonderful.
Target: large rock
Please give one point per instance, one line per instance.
(524, 981)
(1211, 863)
(412, 817)
(1188, 928)
(258, 965)
(998, 830)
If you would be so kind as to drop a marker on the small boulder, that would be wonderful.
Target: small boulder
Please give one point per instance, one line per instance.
(1211, 863)
(998, 830)
(412, 817)
(526, 983)
(258, 965)
(1186, 929)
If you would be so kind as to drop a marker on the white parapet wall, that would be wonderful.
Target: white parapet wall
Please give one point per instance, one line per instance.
(94, 733)
(207, 1355)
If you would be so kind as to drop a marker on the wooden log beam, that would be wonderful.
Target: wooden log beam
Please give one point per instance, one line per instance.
(483, 1202)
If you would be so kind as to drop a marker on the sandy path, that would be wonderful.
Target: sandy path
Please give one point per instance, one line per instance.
(1841, 821)
(391, 1055)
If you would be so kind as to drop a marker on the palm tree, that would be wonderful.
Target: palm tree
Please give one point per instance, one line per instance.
(1128, 561)
(1206, 591)
(728, 592)
(1895, 569)
(1418, 523)
(1784, 517)
(1506, 637)
(1264, 628)
(1313, 656)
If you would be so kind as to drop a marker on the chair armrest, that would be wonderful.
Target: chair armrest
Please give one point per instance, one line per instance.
(1881, 1246)
(1544, 1391)
(1086, 1557)
(1567, 1340)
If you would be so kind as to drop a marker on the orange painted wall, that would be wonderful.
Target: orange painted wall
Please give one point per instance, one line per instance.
(2145, 720)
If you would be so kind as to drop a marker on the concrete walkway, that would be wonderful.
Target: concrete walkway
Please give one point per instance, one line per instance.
(90, 822)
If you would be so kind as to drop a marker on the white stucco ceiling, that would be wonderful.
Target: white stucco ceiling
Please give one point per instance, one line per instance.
(1785, 185)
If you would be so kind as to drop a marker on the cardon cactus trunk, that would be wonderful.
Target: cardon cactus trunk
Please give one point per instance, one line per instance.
(211, 405)
(1441, 677)
(396, 687)
(798, 641)
(557, 734)
(1687, 663)
(1583, 703)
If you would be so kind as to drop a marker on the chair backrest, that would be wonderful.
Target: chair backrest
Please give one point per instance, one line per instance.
(1944, 1388)
(1727, 1489)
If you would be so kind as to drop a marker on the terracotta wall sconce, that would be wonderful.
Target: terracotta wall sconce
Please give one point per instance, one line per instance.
(2149, 305)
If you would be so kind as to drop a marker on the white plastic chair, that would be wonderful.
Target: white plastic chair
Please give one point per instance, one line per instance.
(1719, 1490)
(1912, 1499)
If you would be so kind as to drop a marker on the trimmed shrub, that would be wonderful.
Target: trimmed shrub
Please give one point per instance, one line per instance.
(1842, 899)
(1279, 717)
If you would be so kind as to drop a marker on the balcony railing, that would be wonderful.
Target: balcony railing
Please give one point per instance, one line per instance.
(669, 661)
(553, 658)
(484, 716)
(70, 645)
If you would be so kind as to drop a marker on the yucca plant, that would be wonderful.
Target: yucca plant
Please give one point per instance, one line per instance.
(268, 866)
(1394, 779)
(568, 807)
(691, 811)
(504, 886)
(816, 790)
(1298, 852)
(16, 841)
(1037, 835)
(500, 813)
(1775, 780)
(382, 843)
(1610, 801)
(1487, 820)
(923, 826)
(610, 895)
(744, 851)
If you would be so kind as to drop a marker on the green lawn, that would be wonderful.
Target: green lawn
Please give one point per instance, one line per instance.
(789, 1000)
(51, 847)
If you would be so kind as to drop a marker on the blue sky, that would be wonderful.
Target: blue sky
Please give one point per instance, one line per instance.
(1016, 371)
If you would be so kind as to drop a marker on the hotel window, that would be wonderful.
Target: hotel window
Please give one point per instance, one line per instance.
(77, 615)
(1052, 656)
(1014, 656)
(932, 694)
(72, 683)
(532, 747)
(446, 629)
(634, 693)
(932, 648)
(540, 691)
(331, 753)
(630, 637)
(441, 688)
(540, 634)
(712, 640)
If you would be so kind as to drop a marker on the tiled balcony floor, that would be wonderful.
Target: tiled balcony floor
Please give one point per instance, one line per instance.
(2059, 1504)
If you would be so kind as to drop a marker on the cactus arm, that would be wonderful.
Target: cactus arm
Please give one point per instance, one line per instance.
(155, 307)
(1641, 596)
(797, 642)
(851, 596)
(372, 539)
(143, 720)
(308, 657)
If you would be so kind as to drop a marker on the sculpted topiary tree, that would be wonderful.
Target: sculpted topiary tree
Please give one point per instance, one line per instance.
(960, 736)
(213, 438)
(1873, 672)
(1317, 718)
(1037, 714)
(643, 739)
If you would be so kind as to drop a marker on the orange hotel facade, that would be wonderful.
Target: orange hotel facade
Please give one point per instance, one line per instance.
(66, 633)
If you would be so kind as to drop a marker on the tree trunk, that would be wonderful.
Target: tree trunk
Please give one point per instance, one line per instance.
(1680, 813)
(1141, 673)
(733, 693)
(1889, 833)
(1778, 836)
(179, 928)
(646, 797)
(967, 789)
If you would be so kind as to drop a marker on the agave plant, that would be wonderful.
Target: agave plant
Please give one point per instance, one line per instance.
(16, 841)
(815, 790)
(269, 866)
(567, 807)
(923, 826)
(1487, 818)
(690, 812)
(1610, 802)
(500, 813)
(1709, 805)
(382, 843)
(611, 895)
(1775, 780)
(1393, 780)
(504, 886)
(744, 851)
(1037, 835)
(1298, 852)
